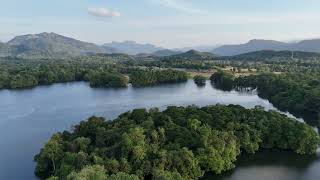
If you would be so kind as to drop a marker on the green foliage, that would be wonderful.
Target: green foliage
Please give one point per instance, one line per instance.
(178, 143)
(298, 93)
(95, 172)
(166, 175)
(222, 80)
(123, 176)
(107, 79)
(154, 77)
(51, 154)
(22, 73)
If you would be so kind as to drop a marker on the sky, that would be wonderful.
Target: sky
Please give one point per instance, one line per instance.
(166, 23)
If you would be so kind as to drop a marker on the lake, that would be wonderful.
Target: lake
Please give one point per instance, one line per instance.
(29, 117)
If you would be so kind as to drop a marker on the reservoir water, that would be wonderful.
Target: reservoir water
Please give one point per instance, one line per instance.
(29, 117)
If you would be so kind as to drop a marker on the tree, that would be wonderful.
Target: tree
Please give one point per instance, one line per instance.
(95, 172)
(222, 80)
(53, 151)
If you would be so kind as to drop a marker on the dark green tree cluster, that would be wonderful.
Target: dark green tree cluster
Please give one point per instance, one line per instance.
(154, 77)
(106, 79)
(222, 80)
(200, 80)
(176, 63)
(298, 93)
(15, 74)
(178, 143)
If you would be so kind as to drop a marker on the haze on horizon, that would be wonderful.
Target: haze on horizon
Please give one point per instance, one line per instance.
(166, 23)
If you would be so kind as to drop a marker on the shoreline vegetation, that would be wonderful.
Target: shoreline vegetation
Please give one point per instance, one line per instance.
(20, 75)
(180, 142)
(297, 93)
(177, 143)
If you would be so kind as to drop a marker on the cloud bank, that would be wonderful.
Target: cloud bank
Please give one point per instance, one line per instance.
(103, 12)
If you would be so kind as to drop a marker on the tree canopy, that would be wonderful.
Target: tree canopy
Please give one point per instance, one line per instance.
(154, 77)
(298, 93)
(178, 143)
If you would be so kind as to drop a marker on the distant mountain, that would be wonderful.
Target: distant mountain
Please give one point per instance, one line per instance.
(274, 55)
(50, 45)
(166, 52)
(253, 45)
(197, 48)
(307, 45)
(193, 54)
(133, 48)
(258, 45)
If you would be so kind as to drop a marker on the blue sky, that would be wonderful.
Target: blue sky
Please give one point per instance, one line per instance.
(169, 23)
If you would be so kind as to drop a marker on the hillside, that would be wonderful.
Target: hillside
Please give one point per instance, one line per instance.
(133, 48)
(50, 45)
(253, 45)
(193, 54)
(258, 45)
(166, 52)
(275, 55)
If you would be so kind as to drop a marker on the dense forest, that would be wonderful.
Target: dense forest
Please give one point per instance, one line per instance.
(15, 74)
(106, 79)
(222, 80)
(298, 93)
(152, 77)
(103, 72)
(178, 143)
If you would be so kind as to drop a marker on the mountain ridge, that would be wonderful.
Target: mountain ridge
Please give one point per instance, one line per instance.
(50, 45)
(312, 45)
(133, 48)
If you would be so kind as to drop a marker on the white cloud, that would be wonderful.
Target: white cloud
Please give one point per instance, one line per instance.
(103, 12)
(181, 5)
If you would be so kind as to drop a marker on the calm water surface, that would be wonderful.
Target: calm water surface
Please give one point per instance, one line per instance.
(29, 117)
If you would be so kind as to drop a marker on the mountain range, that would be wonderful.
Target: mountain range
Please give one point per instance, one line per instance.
(133, 48)
(258, 45)
(57, 46)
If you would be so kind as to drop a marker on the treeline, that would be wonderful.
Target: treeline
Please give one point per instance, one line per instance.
(176, 63)
(153, 77)
(15, 74)
(297, 93)
(178, 143)
(106, 79)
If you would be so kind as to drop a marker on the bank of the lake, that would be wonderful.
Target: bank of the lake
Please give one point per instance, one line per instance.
(30, 117)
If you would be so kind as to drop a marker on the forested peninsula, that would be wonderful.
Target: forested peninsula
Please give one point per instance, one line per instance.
(298, 93)
(177, 143)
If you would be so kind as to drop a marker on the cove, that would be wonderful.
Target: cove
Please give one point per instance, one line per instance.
(29, 117)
